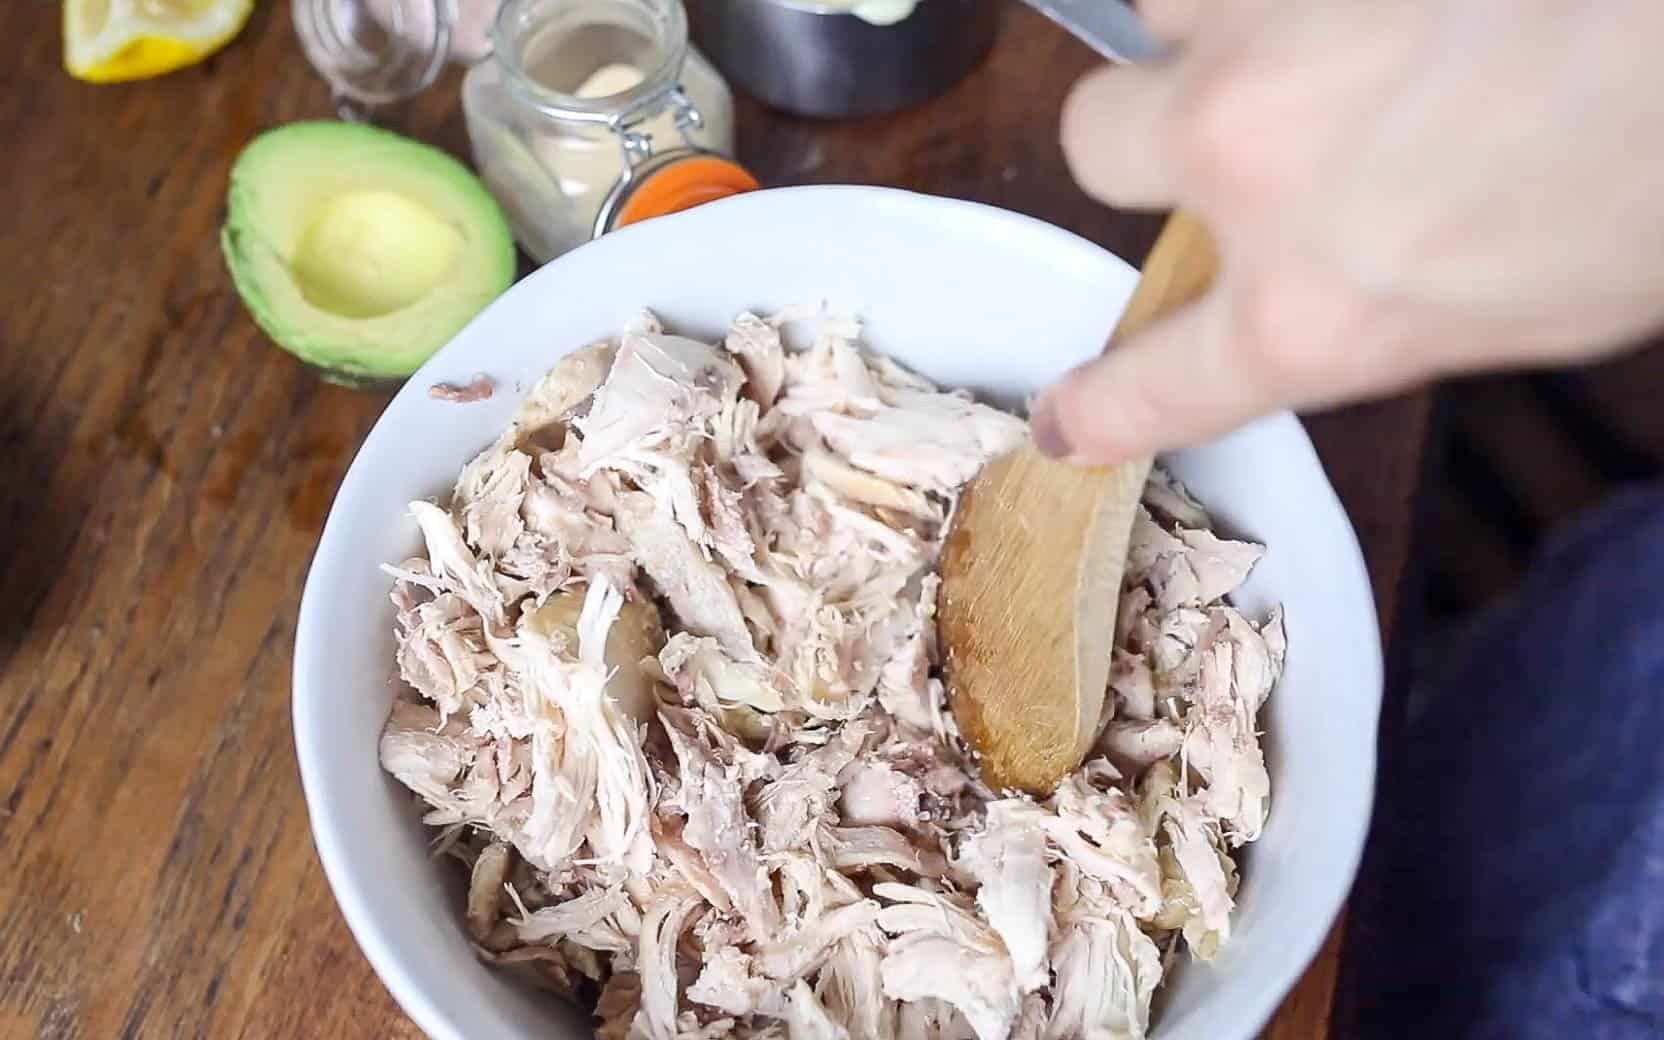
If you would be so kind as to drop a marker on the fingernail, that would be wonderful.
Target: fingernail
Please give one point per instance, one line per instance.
(1046, 428)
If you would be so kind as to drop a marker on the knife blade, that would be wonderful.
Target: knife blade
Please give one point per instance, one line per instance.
(1110, 27)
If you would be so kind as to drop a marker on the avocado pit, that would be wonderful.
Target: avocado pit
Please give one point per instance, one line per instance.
(372, 252)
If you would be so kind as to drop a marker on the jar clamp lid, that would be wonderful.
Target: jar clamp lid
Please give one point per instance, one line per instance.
(658, 184)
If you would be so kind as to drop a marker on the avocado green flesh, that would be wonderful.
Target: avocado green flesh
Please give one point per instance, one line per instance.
(360, 251)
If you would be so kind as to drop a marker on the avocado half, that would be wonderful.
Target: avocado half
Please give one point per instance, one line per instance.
(360, 251)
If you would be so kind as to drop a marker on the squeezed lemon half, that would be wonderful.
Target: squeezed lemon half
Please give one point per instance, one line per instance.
(108, 41)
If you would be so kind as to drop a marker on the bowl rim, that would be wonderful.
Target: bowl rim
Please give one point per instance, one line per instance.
(308, 708)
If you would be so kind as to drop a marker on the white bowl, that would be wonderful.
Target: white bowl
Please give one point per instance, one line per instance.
(967, 295)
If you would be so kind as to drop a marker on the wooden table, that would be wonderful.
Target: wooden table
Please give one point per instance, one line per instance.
(164, 472)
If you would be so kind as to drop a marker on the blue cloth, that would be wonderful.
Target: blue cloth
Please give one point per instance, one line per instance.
(1526, 846)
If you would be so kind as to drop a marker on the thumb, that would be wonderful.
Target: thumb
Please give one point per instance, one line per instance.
(1175, 383)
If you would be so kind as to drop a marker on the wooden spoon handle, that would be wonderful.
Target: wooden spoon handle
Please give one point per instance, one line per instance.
(1179, 269)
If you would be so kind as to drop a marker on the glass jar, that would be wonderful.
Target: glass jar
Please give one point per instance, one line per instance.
(375, 52)
(582, 116)
(592, 114)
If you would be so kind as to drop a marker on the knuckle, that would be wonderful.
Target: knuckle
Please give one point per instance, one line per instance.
(1101, 412)
(1218, 139)
(1168, 19)
(1145, 396)
(1272, 330)
(1093, 149)
(1300, 334)
(1080, 421)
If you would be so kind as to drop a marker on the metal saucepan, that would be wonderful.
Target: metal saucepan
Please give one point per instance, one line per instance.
(817, 59)
(822, 61)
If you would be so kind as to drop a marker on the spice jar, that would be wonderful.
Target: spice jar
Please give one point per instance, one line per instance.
(585, 115)
(592, 114)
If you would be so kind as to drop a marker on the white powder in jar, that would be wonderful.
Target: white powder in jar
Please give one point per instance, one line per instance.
(587, 166)
(591, 165)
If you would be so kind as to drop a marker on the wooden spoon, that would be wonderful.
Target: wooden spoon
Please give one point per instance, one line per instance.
(1031, 573)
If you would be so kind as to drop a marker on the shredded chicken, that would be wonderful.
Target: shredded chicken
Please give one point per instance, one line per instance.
(674, 699)
(480, 388)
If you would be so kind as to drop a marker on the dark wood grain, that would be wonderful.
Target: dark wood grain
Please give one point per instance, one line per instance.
(163, 475)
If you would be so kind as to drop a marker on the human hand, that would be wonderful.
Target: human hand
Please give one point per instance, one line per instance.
(1397, 191)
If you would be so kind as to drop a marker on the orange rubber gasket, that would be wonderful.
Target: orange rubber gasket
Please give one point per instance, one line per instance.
(685, 184)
